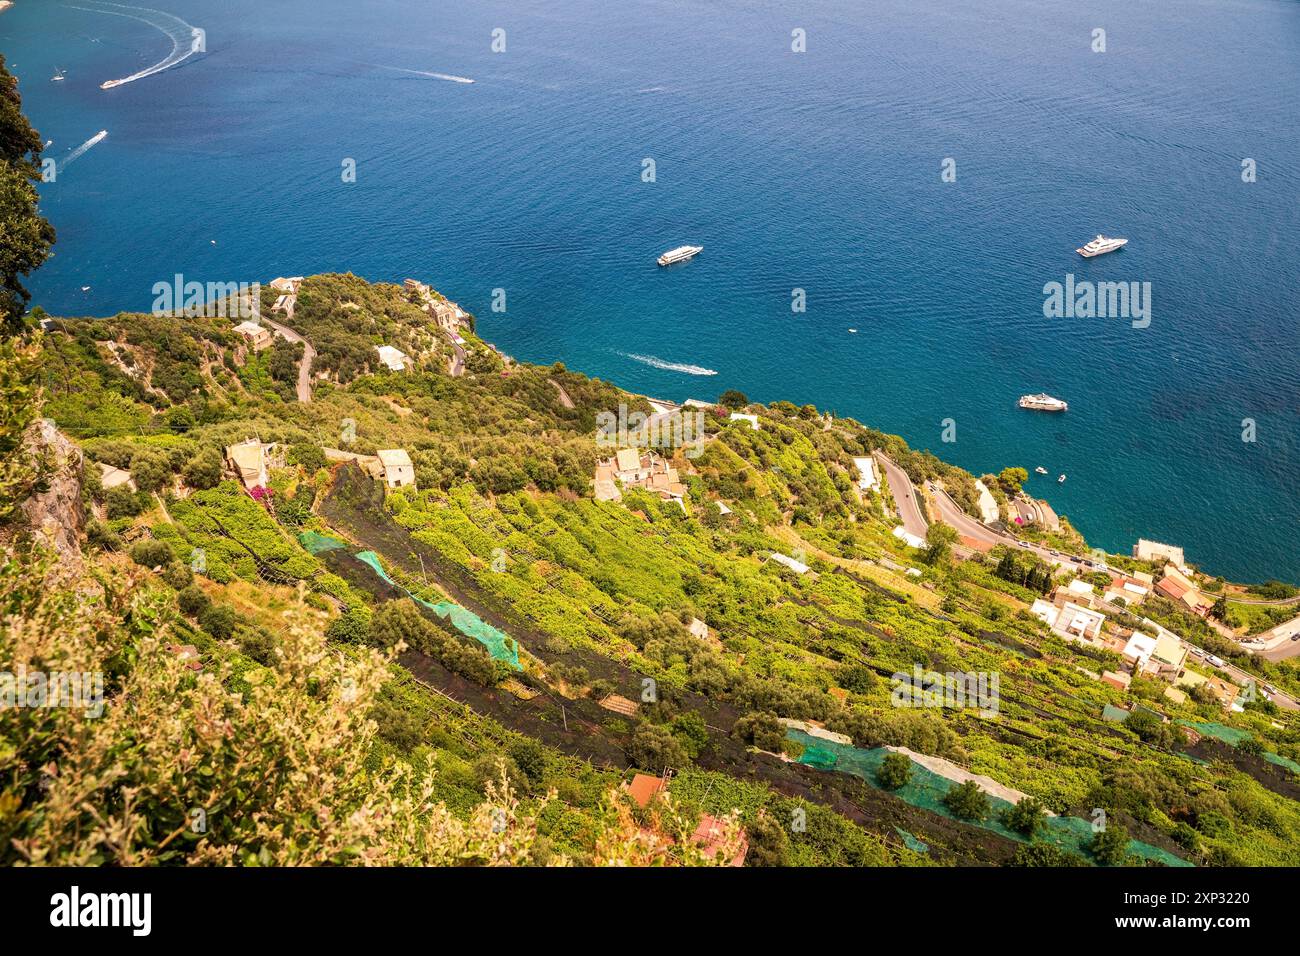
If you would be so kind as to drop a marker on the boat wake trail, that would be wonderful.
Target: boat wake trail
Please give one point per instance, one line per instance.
(186, 39)
(77, 153)
(435, 76)
(668, 366)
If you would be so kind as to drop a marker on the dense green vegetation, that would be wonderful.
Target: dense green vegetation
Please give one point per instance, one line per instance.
(25, 237)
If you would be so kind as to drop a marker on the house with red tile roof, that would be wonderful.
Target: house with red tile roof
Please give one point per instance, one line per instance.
(643, 787)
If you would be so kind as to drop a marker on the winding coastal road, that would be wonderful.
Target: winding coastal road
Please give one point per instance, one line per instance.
(950, 513)
(308, 354)
(456, 365)
(1279, 642)
(900, 486)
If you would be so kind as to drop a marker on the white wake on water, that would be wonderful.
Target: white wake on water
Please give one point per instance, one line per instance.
(186, 38)
(654, 362)
(436, 76)
(76, 153)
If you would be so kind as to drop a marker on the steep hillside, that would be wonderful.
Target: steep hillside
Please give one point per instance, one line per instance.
(734, 611)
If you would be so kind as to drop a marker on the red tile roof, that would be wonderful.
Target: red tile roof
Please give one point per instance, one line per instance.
(643, 787)
(709, 836)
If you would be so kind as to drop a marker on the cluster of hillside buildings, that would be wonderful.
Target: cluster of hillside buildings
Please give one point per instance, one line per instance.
(287, 299)
(447, 314)
(634, 468)
(251, 461)
(1081, 612)
(1178, 583)
(258, 336)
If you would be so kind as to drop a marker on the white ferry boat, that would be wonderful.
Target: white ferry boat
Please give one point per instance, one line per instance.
(1100, 246)
(1043, 403)
(680, 254)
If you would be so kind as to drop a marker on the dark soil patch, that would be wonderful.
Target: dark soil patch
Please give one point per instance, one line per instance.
(1278, 779)
(1011, 644)
(569, 726)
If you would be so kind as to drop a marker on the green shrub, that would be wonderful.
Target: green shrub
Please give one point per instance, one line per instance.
(151, 553)
(204, 469)
(895, 771)
(530, 757)
(1025, 817)
(177, 576)
(1109, 846)
(151, 469)
(307, 456)
(653, 747)
(99, 535)
(218, 620)
(122, 502)
(768, 843)
(192, 601)
(350, 628)
(489, 768)
(967, 801)
(1045, 854)
(762, 729)
(690, 730)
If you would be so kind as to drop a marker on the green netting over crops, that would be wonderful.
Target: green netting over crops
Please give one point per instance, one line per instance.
(372, 559)
(317, 543)
(927, 789)
(913, 844)
(499, 645)
(1229, 735)
(1233, 736)
(1282, 762)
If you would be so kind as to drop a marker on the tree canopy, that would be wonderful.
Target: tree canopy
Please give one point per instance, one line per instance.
(25, 237)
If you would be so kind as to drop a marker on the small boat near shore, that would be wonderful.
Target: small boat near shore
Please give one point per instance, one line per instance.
(1061, 480)
(1041, 470)
(1100, 246)
(680, 254)
(1043, 402)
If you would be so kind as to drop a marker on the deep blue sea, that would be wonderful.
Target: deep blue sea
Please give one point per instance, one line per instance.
(818, 170)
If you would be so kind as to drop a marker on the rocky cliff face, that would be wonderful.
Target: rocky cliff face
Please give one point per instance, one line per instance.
(54, 513)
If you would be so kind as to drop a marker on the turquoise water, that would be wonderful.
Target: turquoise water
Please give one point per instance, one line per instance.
(818, 171)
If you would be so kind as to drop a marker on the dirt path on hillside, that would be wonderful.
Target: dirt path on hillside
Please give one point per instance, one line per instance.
(304, 366)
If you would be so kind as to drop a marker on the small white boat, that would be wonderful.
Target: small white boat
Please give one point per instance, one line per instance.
(680, 254)
(58, 75)
(1100, 246)
(854, 331)
(1061, 480)
(1043, 403)
(1041, 470)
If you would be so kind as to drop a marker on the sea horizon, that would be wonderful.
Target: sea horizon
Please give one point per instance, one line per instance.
(816, 178)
